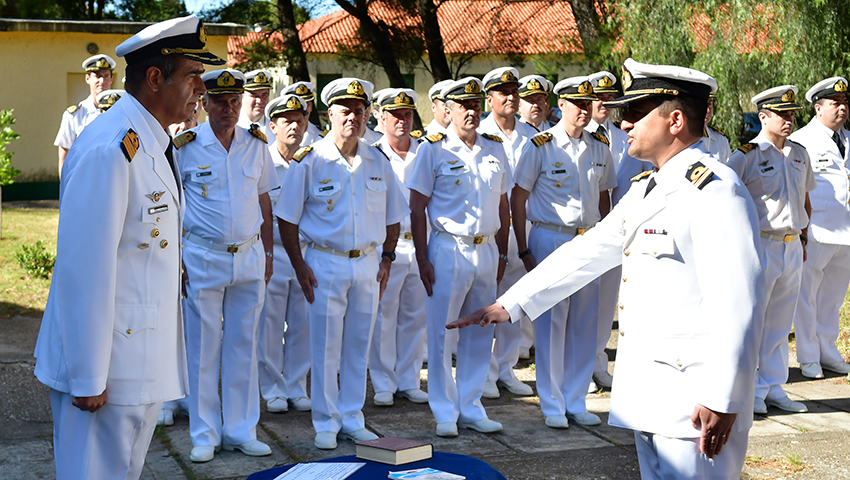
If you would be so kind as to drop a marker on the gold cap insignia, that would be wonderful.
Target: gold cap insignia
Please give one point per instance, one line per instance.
(605, 82)
(534, 85)
(293, 103)
(403, 99)
(508, 76)
(840, 86)
(302, 90)
(155, 196)
(325, 182)
(788, 96)
(354, 88)
(585, 88)
(472, 87)
(261, 78)
(102, 64)
(202, 34)
(627, 79)
(226, 79)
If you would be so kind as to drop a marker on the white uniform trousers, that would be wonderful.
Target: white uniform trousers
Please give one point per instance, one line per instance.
(609, 289)
(465, 280)
(109, 444)
(783, 267)
(566, 338)
(225, 297)
(341, 319)
(395, 357)
(826, 275)
(509, 334)
(284, 316)
(665, 458)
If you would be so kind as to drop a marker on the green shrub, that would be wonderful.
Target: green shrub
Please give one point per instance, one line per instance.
(7, 171)
(36, 260)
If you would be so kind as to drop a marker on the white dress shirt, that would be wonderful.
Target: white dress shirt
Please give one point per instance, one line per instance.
(74, 123)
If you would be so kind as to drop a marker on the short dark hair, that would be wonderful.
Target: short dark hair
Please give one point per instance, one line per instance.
(693, 109)
(137, 71)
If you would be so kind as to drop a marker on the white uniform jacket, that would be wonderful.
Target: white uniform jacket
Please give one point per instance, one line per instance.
(691, 306)
(777, 181)
(74, 119)
(311, 135)
(831, 198)
(716, 144)
(112, 320)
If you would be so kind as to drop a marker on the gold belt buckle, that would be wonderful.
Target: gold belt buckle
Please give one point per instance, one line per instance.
(232, 248)
(353, 253)
(478, 240)
(788, 238)
(408, 236)
(580, 231)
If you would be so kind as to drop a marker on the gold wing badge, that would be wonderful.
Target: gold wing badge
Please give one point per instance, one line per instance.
(155, 196)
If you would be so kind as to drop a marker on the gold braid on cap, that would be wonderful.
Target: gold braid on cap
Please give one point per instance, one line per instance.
(182, 51)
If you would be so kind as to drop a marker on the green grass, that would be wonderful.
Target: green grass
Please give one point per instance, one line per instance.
(21, 294)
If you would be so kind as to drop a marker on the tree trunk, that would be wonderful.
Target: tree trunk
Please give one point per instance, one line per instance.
(377, 34)
(296, 59)
(589, 28)
(433, 40)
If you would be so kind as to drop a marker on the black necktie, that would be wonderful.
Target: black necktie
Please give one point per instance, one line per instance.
(169, 154)
(601, 130)
(837, 140)
(649, 187)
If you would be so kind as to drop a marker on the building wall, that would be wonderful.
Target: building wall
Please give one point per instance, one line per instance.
(44, 78)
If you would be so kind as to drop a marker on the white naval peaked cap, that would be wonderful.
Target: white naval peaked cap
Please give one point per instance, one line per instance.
(575, 88)
(603, 82)
(780, 99)
(827, 88)
(347, 88)
(258, 80)
(107, 98)
(182, 37)
(531, 84)
(98, 62)
(289, 102)
(500, 76)
(223, 81)
(397, 98)
(377, 93)
(463, 89)
(436, 91)
(643, 80)
(302, 89)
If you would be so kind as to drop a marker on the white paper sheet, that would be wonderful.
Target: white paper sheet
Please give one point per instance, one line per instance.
(320, 471)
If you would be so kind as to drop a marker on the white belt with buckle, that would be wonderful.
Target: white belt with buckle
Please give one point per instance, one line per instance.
(562, 229)
(341, 253)
(232, 248)
(477, 240)
(779, 238)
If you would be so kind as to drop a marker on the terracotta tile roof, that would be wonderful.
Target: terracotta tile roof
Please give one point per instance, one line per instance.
(468, 26)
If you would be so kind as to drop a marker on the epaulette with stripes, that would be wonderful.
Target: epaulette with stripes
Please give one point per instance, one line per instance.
(699, 175)
(416, 133)
(301, 153)
(435, 137)
(72, 108)
(257, 133)
(540, 140)
(378, 146)
(717, 130)
(600, 137)
(640, 176)
(130, 145)
(747, 147)
(184, 138)
(325, 133)
(491, 137)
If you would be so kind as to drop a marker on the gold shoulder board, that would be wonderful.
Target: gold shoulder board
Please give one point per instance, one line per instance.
(257, 133)
(600, 137)
(325, 133)
(416, 133)
(72, 108)
(183, 139)
(540, 140)
(717, 130)
(747, 147)
(640, 176)
(130, 145)
(491, 137)
(301, 153)
(435, 138)
(699, 175)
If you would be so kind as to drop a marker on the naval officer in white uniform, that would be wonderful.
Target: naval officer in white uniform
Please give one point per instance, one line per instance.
(826, 272)
(714, 141)
(462, 178)
(395, 357)
(227, 253)
(111, 341)
(441, 119)
(685, 318)
(343, 197)
(259, 85)
(562, 182)
(778, 175)
(283, 368)
(534, 93)
(305, 90)
(99, 69)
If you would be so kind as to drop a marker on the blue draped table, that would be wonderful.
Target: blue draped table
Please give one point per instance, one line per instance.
(469, 467)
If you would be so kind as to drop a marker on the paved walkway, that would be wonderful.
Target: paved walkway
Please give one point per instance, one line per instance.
(815, 445)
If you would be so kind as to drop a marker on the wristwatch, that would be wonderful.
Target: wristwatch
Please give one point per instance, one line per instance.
(523, 253)
(270, 254)
(390, 255)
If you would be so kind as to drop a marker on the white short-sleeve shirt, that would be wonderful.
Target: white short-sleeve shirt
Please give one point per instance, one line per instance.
(74, 123)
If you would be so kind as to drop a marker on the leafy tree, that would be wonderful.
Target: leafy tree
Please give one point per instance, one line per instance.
(150, 10)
